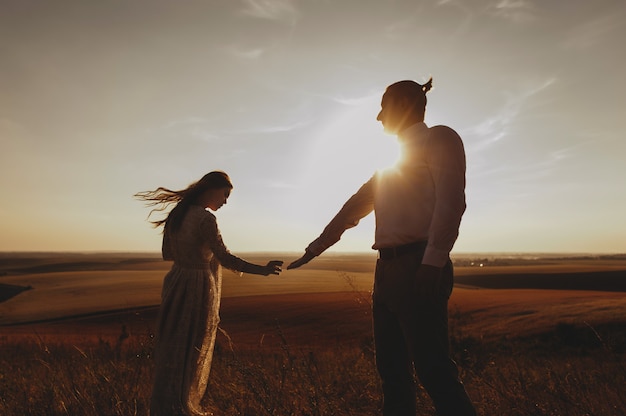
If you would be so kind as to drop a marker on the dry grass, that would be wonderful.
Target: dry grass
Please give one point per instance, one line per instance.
(572, 370)
(522, 352)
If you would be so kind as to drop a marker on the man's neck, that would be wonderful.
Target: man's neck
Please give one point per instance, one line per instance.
(404, 132)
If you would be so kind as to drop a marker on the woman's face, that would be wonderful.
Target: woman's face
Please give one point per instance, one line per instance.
(214, 198)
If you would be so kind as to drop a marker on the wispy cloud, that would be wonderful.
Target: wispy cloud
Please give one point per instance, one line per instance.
(200, 128)
(357, 101)
(191, 120)
(283, 11)
(455, 3)
(518, 11)
(545, 167)
(496, 127)
(269, 129)
(192, 126)
(245, 54)
(520, 178)
(398, 29)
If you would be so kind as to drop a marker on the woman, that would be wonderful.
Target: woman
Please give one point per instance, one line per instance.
(190, 299)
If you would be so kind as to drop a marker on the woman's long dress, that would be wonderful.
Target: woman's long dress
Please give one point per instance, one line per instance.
(189, 314)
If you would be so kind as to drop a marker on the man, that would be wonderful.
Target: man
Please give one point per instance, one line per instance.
(418, 206)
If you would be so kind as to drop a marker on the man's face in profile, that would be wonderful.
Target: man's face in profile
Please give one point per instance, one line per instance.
(393, 113)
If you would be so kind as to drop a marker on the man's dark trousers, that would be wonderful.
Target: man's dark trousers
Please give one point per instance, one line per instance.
(411, 333)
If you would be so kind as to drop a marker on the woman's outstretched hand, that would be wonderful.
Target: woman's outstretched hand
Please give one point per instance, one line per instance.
(307, 257)
(273, 267)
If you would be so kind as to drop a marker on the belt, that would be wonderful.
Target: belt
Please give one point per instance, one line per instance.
(387, 253)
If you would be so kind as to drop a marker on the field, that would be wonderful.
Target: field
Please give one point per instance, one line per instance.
(533, 335)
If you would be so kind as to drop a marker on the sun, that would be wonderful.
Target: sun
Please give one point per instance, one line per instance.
(341, 155)
(352, 146)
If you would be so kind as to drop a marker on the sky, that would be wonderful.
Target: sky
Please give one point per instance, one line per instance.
(103, 99)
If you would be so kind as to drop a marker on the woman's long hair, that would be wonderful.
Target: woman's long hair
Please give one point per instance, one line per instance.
(162, 198)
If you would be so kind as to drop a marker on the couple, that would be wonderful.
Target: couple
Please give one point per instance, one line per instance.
(418, 206)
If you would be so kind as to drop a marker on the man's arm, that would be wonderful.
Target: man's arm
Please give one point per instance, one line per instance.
(358, 206)
(446, 162)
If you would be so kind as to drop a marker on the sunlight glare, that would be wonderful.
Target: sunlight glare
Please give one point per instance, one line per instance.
(345, 153)
(352, 146)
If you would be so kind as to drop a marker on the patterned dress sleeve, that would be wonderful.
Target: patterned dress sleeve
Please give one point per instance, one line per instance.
(225, 257)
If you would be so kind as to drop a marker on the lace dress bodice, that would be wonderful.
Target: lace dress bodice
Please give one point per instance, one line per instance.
(198, 244)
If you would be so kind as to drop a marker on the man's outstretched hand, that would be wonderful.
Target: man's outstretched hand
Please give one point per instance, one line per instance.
(307, 257)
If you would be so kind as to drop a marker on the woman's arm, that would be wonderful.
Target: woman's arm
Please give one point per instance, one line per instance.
(230, 261)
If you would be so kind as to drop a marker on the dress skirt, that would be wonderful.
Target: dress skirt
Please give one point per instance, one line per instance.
(187, 324)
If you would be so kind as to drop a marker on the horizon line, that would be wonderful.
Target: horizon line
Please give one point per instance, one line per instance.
(328, 252)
